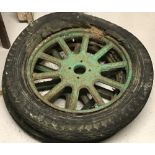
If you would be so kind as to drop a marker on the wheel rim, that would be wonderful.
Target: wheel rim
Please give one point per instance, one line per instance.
(84, 68)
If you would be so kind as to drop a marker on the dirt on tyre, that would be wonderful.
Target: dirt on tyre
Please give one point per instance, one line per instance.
(72, 77)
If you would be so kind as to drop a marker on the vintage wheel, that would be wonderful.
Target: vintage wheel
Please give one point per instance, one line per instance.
(77, 78)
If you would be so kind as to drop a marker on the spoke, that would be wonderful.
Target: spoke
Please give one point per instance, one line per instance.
(96, 96)
(105, 93)
(111, 83)
(77, 48)
(56, 90)
(47, 85)
(39, 76)
(84, 45)
(56, 54)
(50, 58)
(112, 66)
(64, 46)
(43, 68)
(103, 51)
(72, 99)
(88, 103)
(85, 99)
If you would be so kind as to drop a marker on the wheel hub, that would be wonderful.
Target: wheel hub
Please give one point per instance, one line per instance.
(80, 70)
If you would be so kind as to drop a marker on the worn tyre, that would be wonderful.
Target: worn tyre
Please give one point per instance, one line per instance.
(125, 67)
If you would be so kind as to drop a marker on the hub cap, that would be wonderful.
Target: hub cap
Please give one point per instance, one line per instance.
(79, 70)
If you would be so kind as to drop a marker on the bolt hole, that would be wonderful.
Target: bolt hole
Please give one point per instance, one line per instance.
(89, 70)
(69, 68)
(77, 77)
(81, 61)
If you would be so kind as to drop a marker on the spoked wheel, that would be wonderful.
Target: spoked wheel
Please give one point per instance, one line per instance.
(86, 70)
(76, 78)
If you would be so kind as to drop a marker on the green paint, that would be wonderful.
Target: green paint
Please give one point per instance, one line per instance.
(68, 69)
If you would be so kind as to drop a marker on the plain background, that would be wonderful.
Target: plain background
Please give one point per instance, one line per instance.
(142, 129)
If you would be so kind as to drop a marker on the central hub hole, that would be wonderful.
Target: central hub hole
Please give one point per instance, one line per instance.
(80, 69)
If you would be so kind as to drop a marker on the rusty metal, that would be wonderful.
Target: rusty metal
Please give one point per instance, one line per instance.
(71, 65)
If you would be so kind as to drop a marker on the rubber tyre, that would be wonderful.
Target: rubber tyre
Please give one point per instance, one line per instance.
(50, 125)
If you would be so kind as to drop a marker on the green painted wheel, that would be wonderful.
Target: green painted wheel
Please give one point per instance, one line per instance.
(71, 77)
(83, 69)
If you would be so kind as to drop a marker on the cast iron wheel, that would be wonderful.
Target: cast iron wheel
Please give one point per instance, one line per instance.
(71, 77)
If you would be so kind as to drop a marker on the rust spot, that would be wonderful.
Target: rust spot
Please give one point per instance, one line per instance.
(98, 33)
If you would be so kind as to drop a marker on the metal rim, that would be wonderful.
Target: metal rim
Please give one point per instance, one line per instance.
(84, 68)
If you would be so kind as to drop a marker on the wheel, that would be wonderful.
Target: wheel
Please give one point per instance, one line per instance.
(71, 77)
